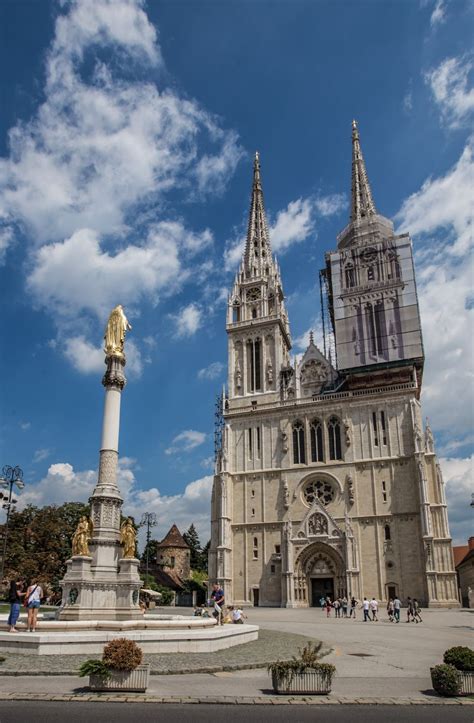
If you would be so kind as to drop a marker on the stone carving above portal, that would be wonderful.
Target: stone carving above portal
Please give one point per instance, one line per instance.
(317, 524)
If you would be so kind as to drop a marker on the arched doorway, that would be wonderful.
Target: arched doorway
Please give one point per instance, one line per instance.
(319, 572)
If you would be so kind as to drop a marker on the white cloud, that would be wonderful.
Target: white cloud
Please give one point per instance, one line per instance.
(25, 425)
(64, 484)
(40, 455)
(187, 320)
(212, 371)
(438, 16)
(408, 102)
(207, 463)
(186, 441)
(301, 342)
(451, 89)
(293, 224)
(458, 474)
(88, 359)
(439, 216)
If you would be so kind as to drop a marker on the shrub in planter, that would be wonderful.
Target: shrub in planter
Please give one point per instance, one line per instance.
(446, 680)
(119, 669)
(462, 658)
(304, 673)
(122, 654)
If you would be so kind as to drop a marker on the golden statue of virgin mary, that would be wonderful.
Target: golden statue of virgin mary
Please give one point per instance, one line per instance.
(115, 330)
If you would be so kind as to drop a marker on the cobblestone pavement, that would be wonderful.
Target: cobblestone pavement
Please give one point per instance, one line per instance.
(270, 646)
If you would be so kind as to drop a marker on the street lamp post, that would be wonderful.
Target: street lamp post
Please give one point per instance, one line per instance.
(11, 477)
(148, 520)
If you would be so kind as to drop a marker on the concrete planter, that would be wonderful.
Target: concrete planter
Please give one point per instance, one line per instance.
(135, 681)
(467, 682)
(311, 683)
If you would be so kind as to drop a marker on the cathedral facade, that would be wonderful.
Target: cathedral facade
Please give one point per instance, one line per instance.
(326, 481)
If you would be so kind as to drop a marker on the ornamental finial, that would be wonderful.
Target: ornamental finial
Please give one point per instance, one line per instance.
(311, 337)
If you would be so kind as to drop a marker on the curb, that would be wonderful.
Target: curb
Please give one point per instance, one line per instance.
(181, 671)
(229, 700)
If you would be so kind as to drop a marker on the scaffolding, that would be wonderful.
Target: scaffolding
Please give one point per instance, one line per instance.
(329, 341)
(219, 424)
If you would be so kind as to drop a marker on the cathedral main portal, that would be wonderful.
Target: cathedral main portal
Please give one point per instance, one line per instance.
(320, 572)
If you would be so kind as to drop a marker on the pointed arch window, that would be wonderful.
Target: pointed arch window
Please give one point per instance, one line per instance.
(271, 304)
(254, 365)
(299, 453)
(334, 432)
(350, 275)
(387, 532)
(316, 433)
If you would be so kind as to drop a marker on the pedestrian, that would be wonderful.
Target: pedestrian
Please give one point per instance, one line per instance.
(365, 608)
(391, 610)
(322, 602)
(396, 609)
(409, 610)
(218, 599)
(374, 606)
(344, 607)
(328, 607)
(14, 598)
(237, 616)
(353, 610)
(337, 607)
(33, 601)
(416, 611)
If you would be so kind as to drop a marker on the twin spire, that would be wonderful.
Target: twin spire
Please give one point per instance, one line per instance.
(258, 253)
(362, 203)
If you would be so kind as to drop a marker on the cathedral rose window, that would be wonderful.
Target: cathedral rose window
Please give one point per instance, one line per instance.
(318, 489)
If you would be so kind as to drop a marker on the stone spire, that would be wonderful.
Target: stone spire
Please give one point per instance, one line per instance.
(257, 248)
(362, 203)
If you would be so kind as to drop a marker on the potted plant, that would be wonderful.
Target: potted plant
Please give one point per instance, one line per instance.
(303, 674)
(446, 680)
(121, 668)
(462, 658)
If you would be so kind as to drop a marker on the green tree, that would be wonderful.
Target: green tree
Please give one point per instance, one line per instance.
(191, 538)
(39, 541)
(151, 548)
(203, 558)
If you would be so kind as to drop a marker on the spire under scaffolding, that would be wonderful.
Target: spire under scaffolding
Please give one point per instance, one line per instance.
(362, 203)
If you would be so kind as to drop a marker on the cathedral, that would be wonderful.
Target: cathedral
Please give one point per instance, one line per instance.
(326, 481)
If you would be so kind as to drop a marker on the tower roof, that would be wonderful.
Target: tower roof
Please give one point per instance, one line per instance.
(362, 203)
(173, 538)
(257, 247)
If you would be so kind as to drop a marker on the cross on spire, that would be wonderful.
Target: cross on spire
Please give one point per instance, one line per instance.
(257, 248)
(362, 203)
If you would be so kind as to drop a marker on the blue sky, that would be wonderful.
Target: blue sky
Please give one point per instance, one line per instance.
(127, 132)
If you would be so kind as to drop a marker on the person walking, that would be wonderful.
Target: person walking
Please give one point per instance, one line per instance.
(353, 610)
(322, 602)
(416, 611)
(409, 610)
(33, 597)
(396, 609)
(328, 607)
(391, 610)
(337, 607)
(374, 606)
(218, 598)
(365, 608)
(344, 607)
(14, 598)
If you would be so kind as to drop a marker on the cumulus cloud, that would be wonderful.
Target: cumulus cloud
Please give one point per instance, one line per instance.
(458, 475)
(293, 224)
(63, 483)
(187, 320)
(439, 217)
(212, 371)
(186, 441)
(301, 342)
(450, 85)
(89, 359)
(87, 177)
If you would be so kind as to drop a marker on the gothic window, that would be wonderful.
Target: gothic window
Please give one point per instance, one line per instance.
(249, 432)
(299, 454)
(380, 331)
(388, 535)
(272, 568)
(384, 428)
(370, 321)
(255, 548)
(236, 312)
(334, 431)
(374, 427)
(384, 491)
(370, 273)
(271, 304)
(277, 549)
(254, 365)
(254, 313)
(318, 489)
(316, 432)
(259, 442)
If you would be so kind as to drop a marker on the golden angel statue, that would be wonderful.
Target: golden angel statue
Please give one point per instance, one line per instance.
(115, 330)
(128, 536)
(81, 537)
